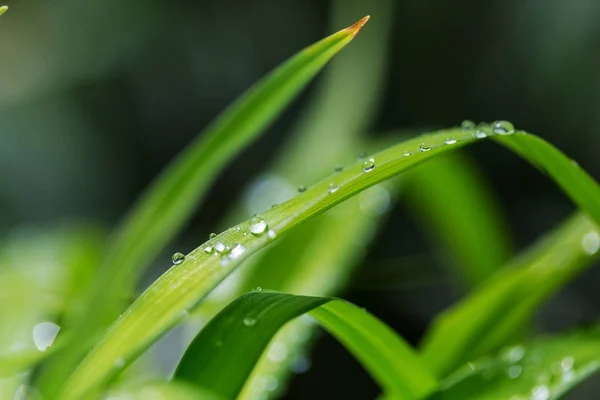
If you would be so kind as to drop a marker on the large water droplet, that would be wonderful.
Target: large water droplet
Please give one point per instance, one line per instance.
(467, 124)
(44, 334)
(369, 165)
(425, 147)
(249, 321)
(178, 258)
(332, 188)
(258, 226)
(503, 128)
(591, 243)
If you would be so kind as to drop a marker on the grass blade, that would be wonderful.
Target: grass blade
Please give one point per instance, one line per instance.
(168, 203)
(181, 287)
(546, 368)
(164, 391)
(239, 334)
(3, 9)
(494, 312)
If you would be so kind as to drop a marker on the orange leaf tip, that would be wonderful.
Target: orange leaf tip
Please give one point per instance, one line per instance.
(355, 28)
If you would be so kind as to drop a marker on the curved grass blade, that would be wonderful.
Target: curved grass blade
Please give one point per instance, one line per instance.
(494, 312)
(239, 334)
(164, 208)
(483, 245)
(546, 368)
(3, 9)
(162, 305)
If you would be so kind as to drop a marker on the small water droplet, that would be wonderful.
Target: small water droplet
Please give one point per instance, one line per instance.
(480, 134)
(222, 248)
(178, 258)
(467, 124)
(567, 363)
(425, 147)
(257, 289)
(450, 141)
(369, 165)
(301, 189)
(274, 205)
(540, 393)
(44, 334)
(212, 236)
(249, 321)
(591, 243)
(361, 156)
(237, 228)
(208, 249)
(405, 153)
(332, 188)
(258, 226)
(119, 362)
(514, 371)
(337, 168)
(271, 234)
(503, 128)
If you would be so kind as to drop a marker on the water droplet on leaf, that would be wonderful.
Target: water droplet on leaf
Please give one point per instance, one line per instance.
(338, 168)
(467, 124)
(212, 236)
(332, 188)
(258, 226)
(249, 321)
(503, 128)
(425, 147)
(178, 258)
(369, 165)
(450, 141)
(591, 243)
(301, 189)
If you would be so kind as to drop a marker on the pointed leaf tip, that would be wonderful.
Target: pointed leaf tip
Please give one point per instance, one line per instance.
(3, 9)
(355, 28)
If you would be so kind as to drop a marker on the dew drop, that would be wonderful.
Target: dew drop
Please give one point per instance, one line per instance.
(221, 248)
(503, 128)
(258, 226)
(405, 153)
(425, 147)
(540, 393)
(591, 243)
(567, 363)
(338, 168)
(178, 258)
(301, 189)
(237, 228)
(369, 165)
(257, 289)
(450, 141)
(44, 334)
(277, 352)
(467, 124)
(249, 321)
(480, 134)
(271, 234)
(514, 371)
(237, 251)
(212, 236)
(332, 188)
(208, 249)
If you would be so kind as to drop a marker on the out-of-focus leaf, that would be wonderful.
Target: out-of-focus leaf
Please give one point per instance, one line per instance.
(164, 391)
(239, 334)
(448, 195)
(3, 9)
(546, 368)
(168, 203)
(162, 304)
(495, 311)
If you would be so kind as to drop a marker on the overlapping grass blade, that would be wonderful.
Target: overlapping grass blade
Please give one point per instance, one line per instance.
(546, 368)
(239, 334)
(162, 305)
(483, 244)
(168, 203)
(494, 312)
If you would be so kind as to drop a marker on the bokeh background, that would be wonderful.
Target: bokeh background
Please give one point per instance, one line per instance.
(97, 97)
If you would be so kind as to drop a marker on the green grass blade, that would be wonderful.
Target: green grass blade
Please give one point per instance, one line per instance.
(468, 207)
(162, 304)
(168, 203)
(3, 9)
(546, 368)
(239, 334)
(164, 391)
(494, 312)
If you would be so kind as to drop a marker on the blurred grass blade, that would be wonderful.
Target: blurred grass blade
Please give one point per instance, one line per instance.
(483, 244)
(239, 334)
(170, 200)
(546, 368)
(494, 312)
(3, 9)
(180, 288)
(164, 391)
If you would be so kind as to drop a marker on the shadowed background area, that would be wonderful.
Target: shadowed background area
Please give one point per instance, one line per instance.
(97, 97)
